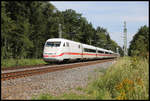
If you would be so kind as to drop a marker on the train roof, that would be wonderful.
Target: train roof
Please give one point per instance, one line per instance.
(84, 45)
(88, 46)
(100, 49)
(61, 39)
(57, 39)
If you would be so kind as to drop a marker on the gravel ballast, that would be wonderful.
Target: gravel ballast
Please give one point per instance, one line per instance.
(54, 83)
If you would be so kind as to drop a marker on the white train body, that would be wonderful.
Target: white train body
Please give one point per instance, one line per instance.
(58, 49)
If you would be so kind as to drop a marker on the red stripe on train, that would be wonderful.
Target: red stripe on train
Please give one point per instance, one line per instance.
(54, 55)
(69, 53)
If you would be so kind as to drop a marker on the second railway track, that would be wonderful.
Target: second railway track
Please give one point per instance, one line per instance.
(35, 71)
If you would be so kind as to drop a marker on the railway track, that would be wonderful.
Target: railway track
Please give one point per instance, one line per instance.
(41, 70)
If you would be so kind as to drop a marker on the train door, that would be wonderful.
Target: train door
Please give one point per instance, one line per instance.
(66, 50)
(82, 51)
(96, 53)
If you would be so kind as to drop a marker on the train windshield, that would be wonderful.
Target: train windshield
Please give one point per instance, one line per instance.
(53, 44)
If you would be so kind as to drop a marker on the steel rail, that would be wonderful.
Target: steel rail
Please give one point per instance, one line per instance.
(24, 73)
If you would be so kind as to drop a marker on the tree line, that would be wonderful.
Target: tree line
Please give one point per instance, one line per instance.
(25, 26)
(139, 46)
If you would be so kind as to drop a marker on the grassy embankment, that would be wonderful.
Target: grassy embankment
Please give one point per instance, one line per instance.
(126, 79)
(22, 62)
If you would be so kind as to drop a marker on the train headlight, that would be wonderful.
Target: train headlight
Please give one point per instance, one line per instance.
(51, 53)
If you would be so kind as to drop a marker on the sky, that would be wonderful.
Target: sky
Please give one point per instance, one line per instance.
(111, 15)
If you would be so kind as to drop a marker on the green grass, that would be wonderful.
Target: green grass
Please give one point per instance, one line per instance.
(70, 96)
(79, 88)
(7, 63)
(127, 79)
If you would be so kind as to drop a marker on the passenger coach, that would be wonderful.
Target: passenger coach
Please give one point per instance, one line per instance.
(58, 49)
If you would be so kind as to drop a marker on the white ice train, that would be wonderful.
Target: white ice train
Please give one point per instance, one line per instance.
(59, 49)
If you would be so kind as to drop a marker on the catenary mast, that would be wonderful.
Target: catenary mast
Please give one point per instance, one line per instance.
(125, 40)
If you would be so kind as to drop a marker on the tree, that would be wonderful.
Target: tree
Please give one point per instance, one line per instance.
(20, 42)
(139, 46)
(101, 37)
(7, 26)
(71, 24)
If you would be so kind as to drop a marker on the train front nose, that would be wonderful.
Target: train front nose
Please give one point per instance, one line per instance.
(51, 56)
(52, 51)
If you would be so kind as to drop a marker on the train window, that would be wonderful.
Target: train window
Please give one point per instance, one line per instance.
(67, 44)
(100, 51)
(53, 44)
(89, 50)
(79, 46)
(85, 50)
(92, 50)
(64, 45)
(106, 53)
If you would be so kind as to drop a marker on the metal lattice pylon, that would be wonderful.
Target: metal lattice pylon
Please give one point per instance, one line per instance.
(125, 39)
